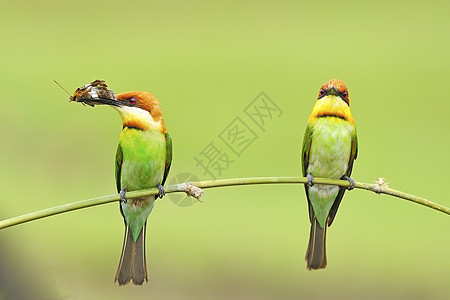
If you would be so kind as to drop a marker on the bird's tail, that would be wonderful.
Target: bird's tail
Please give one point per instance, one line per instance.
(132, 265)
(316, 257)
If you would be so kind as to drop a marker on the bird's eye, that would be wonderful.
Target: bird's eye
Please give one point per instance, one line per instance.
(344, 94)
(132, 101)
(322, 92)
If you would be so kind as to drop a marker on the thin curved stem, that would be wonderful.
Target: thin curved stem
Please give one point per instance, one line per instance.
(380, 187)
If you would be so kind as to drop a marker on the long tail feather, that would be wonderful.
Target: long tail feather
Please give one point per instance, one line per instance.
(316, 257)
(132, 265)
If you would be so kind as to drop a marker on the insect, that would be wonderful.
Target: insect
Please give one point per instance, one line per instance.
(95, 90)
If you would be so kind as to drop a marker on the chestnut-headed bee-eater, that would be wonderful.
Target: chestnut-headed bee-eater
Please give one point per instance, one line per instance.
(143, 161)
(329, 148)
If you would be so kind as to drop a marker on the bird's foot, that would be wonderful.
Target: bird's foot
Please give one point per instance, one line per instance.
(161, 190)
(123, 196)
(310, 180)
(349, 179)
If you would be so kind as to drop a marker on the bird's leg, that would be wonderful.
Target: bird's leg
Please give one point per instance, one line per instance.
(161, 190)
(349, 179)
(123, 196)
(310, 179)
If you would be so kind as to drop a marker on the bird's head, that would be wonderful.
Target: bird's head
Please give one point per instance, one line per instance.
(137, 109)
(140, 110)
(336, 88)
(332, 101)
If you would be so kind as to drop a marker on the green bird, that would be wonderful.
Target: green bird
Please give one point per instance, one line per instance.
(329, 148)
(143, 160)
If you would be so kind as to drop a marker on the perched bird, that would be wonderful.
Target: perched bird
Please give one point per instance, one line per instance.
(329, 148)
(143, 160)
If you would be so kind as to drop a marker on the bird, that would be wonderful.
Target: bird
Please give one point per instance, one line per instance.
(143, 160)
(330, 147)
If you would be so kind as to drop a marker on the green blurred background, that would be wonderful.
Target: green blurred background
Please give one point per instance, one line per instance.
(206, 61)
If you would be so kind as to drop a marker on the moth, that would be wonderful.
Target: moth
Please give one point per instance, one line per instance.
(97, 89)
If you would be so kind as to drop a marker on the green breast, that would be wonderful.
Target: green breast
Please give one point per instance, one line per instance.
(144, 156)
(329, 155)
(331, 142)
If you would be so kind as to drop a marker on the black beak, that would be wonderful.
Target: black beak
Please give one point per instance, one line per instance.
(334, 91)
(98, 101)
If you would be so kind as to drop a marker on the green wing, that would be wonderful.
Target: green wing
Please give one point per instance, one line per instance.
(119, 160)
(306, 147)
(305, 162)
(353, 155)
(168, 157)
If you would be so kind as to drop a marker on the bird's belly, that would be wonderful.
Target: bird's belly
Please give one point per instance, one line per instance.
(330, 148)
(138, 175)
(328, 157)
(144, 160)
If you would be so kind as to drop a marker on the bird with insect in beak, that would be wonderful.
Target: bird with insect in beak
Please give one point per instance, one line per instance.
(143, 160)
(329, 148)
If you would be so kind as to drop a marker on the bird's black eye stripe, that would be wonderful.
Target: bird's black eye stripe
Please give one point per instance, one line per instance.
(343, 95)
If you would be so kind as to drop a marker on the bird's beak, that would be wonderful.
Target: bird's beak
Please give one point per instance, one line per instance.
(334, 91)
(99, 101)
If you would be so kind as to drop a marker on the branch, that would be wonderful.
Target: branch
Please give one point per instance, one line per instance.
(194, 189)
